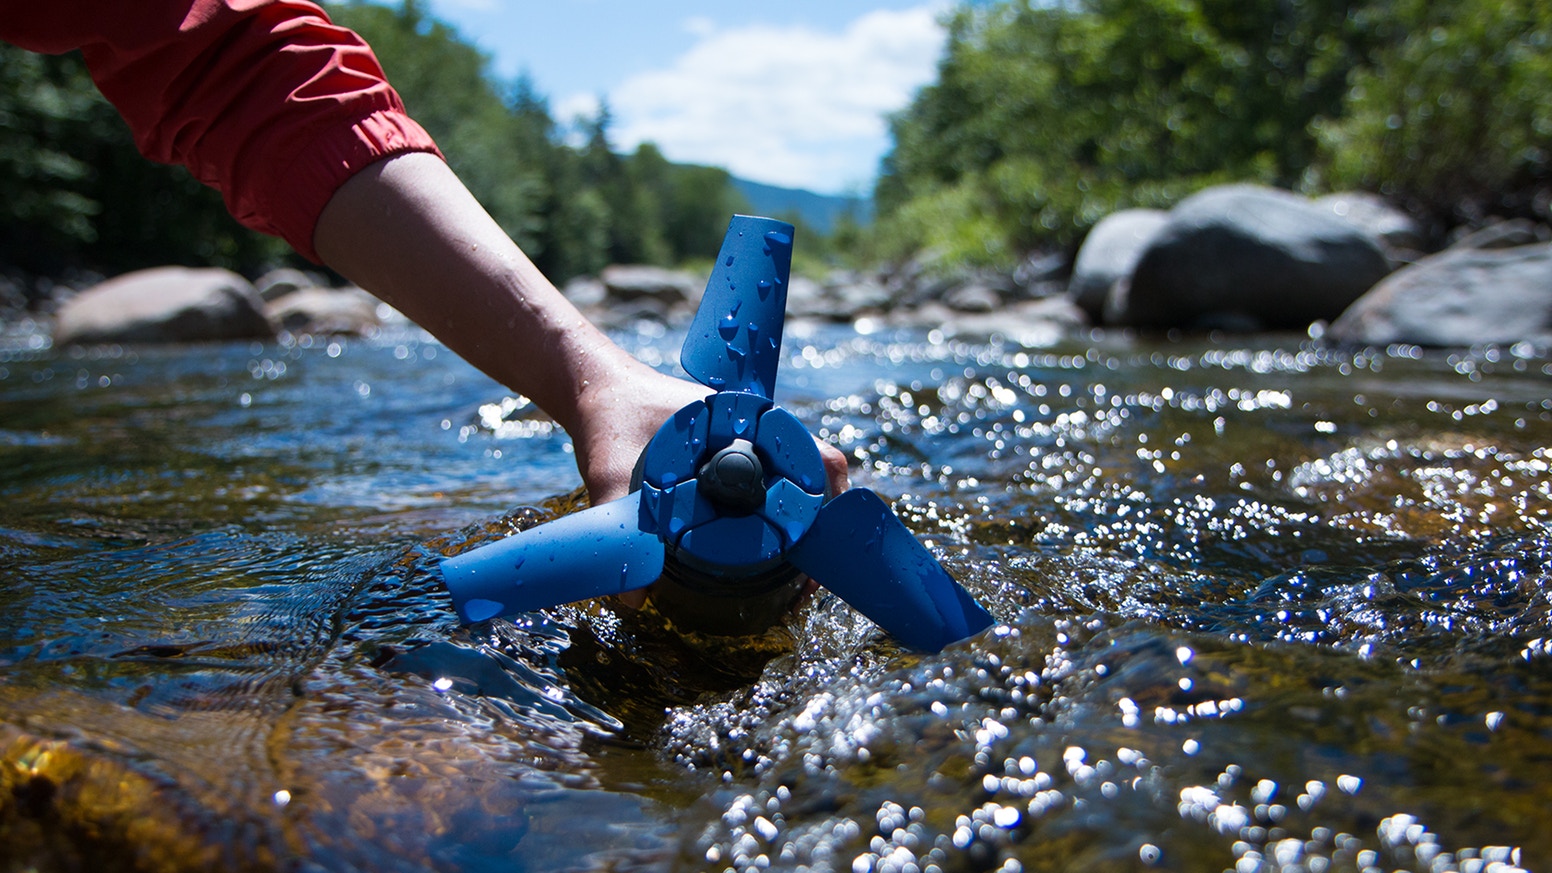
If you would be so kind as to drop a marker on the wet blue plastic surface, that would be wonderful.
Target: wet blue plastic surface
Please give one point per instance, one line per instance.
(734, 342)
(854, 545)
(859, 549)
(591, 553)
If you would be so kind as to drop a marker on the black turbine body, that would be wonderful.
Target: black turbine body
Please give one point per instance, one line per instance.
(731, 507)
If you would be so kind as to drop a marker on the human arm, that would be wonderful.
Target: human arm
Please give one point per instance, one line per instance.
(408, 231)
(292, 119)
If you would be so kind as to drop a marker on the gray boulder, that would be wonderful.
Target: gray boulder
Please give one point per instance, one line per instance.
(668, 288)
(1398, 234)
(278, 283)
(1502, 235)
(323, 311)
(1247, 257)
(1033, 323)
(164, 304)
(1109, 253)
(1460, 297)
(585, 291)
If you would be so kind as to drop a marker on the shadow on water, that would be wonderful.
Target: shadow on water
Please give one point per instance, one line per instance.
(1264, 607)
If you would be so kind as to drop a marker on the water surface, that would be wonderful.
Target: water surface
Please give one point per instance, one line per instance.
(1263, 605)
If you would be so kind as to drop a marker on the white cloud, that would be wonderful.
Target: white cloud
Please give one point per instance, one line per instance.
(783, 105)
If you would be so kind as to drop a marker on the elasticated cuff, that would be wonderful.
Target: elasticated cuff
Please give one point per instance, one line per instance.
(290, 206)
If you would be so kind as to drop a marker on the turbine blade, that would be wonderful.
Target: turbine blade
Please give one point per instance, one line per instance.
(859, 549)
(734, 343)
(597, 551)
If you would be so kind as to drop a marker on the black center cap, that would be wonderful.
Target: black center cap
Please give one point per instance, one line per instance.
(733, 478)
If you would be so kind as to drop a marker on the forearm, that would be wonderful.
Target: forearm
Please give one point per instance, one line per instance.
(408, 231)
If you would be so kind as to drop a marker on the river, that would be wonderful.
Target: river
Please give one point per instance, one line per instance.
(1263, 604)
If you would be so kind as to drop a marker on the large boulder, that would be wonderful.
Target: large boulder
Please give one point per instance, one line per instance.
(1399, 235)
(326, 311)
(164, 304)
(1109, 253)
(1463, 296)
(1247, 257)
(279, 282)
(636, 281)
(1035, 323)
(841, 297)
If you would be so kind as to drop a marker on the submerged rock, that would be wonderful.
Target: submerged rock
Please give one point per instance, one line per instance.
(164, 304)
(1247, 257)
(1460, 297)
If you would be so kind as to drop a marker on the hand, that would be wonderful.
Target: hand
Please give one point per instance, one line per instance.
(408, 231)
(619, 414)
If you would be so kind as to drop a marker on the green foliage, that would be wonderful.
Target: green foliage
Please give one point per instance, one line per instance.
(42, 186)
(1454, 114)
(74, 192)
(499, 150)
(1048, 116)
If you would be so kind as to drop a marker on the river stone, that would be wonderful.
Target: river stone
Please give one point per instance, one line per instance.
(1503, 235)
(278, 283)
(1398, 234)
(841, 297)
(164, 304)
(806, 299)
(1247, 257)
(347, 311)
(973, 296)
(1460, 297)
(1109, 253)
(585, 291)
(635, 281)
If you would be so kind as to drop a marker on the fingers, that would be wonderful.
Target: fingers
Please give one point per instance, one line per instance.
(837, 479)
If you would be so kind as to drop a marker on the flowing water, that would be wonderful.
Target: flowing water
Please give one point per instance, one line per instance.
(1263, 605)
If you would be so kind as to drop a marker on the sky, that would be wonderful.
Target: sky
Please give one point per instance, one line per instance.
(793, 94)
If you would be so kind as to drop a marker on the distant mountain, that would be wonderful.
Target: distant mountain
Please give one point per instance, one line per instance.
(817, 211)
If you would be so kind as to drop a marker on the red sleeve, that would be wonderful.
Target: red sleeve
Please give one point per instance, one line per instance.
(265, 100)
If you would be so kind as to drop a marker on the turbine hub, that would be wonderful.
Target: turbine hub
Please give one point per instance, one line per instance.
(734, 478)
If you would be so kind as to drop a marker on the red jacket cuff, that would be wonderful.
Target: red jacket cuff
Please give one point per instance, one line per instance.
(289, 206)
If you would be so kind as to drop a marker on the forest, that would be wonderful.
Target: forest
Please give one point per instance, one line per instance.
(1047, 116)
(1044, 117)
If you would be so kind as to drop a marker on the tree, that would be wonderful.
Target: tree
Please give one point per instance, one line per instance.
(1453, 114)
(499, 148)
(74, 191)
(1045, 118)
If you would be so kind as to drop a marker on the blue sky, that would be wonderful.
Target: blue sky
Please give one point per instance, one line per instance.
(792, 94)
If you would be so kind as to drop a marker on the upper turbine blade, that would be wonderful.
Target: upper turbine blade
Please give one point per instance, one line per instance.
(597, 551)
(859, 549)
(734, 343)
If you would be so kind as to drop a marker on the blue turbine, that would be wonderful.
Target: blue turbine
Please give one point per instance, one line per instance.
(731, 505)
